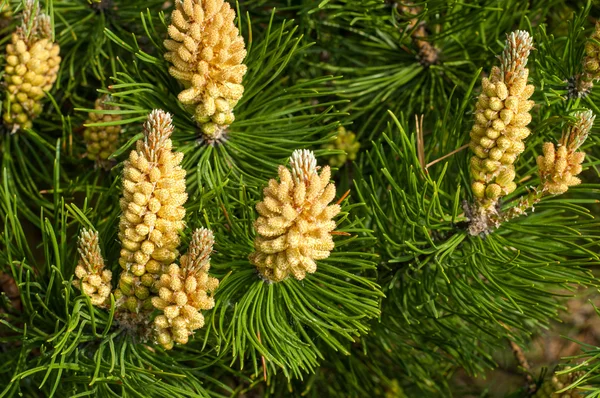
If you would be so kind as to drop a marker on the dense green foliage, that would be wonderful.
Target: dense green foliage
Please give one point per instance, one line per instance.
(406, 298)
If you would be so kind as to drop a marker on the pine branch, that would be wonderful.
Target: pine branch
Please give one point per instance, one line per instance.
(272, 118)
(455, 282)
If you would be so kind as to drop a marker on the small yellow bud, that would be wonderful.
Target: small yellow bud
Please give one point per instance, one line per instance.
(509, 187)
(493, 191)
(498, 125)
(496, 153)
(496, 104)
(491, 165)
(490, 114)
(502, 91)
(132, 304)
(506, 176)
(478, 189)
(493, 133)
(512, 103)
(508, 159)
(486, 143)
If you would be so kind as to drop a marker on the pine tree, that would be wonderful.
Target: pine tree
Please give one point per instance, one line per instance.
(293, 198)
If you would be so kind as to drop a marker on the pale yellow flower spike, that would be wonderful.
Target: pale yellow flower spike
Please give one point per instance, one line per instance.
(152, 212)
(91, 277)
(206, 52)
(295, 220)
(501, 119)
(183, 292)
(32, 64)
(559, 167)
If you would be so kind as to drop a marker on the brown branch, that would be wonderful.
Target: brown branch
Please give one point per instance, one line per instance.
(524, 365)
(522, 361)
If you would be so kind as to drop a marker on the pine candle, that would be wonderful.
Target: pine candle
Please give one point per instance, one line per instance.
(206, 52)
(501, 119)
(91, 277)
(295, 220)
(559, 167)
(183, 292)
(101, 141)
(32, 64)
(152, 206)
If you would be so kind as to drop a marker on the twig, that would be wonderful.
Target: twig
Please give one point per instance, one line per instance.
(343, 233)
(520, 357)
(344, 196)
(522, 361)
(445, 156)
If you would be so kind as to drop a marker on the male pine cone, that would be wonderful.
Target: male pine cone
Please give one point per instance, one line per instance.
(347, 142)
(32, 64)
(91, 277)
(559, 168)
(206, 52)
(295, 220)
(152, 212)
(183, 292)
(591, 65)
(101, 141)
(501, 120)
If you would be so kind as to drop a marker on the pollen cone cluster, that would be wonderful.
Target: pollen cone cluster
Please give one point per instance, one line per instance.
(91, 277)
(591, 64)
(32, 64)
(550, 387)
(501, 119)
(101, 141)
(345, 141)
(206, 52)
(559, 167)
(295, 220)
(152, 212)
(184, 292)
